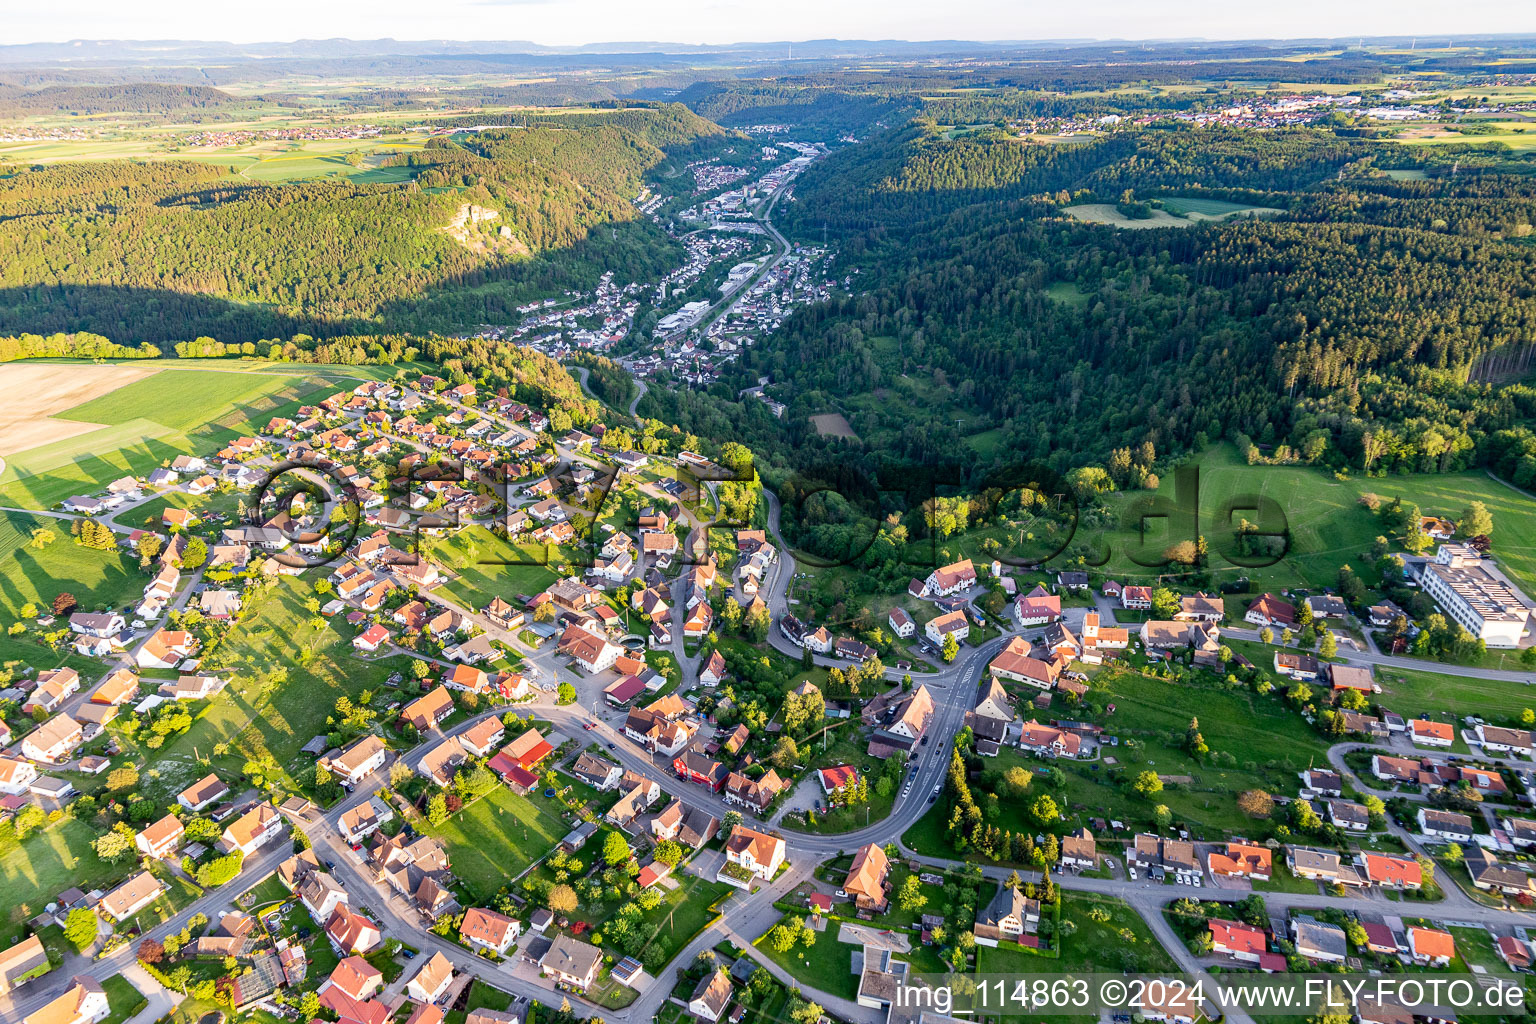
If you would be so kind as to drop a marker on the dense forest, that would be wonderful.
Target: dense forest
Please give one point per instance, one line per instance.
(1371, 324)
(134, 98)
(172, 250)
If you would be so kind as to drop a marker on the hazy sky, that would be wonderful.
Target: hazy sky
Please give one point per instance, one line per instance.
(722, 21)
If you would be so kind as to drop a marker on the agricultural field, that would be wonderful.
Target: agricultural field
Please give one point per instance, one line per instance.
(146, 422)
(1517, 135)
(51, 388)
(1180, 213)
(833, 424)
(263, 160)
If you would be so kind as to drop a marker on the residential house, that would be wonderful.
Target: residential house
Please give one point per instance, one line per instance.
(1007, 917)
(203, 793)
(161, 839)
(950, 579)
(1240, 860)
(350, 932)
(1269, 610)
(1430, 946)
(439, 764)
(571, 961)
(1426, 733)
(489, 930)
(138, 892)
(1393, 872)
(429, 710)
(22, 963)
(84, 1002)
(1445, 825)
(1237, 940)
(357, 761)
(53, 741)
(711, 996)
(251, 831)
(953, 624)
(1015, 662)
(1318, 941)
(867, 879)
(757, 852)
(431, 979)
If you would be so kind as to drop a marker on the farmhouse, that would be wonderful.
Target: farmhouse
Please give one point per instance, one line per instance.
(950, 579)
(1269, 610)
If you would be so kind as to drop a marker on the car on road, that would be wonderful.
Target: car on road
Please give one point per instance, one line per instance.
(938, 787)
(925, 741)
(842, 894)
(613, 746)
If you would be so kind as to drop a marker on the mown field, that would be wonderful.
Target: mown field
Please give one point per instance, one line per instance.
(149, 422)
(496, 838)
(488, 566)
(1414, 692)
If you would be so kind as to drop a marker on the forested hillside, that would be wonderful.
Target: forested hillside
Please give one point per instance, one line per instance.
(172, 250)
(1369, 324)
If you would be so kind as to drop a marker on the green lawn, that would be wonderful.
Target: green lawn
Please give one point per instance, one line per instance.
(98, 579)
(488, 566)
(1413, 692)
(827, 966)
(497, 837)
(684, 912)
(48, 862)
(123, 999)
(285, 672)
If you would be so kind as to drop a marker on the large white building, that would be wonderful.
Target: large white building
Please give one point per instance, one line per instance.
(1472, 596)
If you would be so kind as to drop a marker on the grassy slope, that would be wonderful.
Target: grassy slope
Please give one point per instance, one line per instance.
(276, 636)
(48, 862)
(1328, 525)
(98, 579)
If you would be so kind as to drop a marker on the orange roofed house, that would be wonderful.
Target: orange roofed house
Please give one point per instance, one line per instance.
(1241, 860)
(867, 877)
(757, 852)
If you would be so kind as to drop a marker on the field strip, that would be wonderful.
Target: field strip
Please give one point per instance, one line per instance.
(45, 389)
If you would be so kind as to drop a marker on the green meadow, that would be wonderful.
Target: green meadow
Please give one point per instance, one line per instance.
(1328, 525)
(98, 579)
